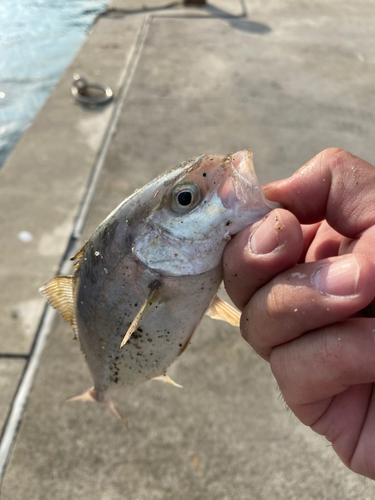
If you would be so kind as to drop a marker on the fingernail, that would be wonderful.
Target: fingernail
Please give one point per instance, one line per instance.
(265, 238)
(339, 278)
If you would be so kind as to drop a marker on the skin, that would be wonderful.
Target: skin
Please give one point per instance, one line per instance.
(304, 279)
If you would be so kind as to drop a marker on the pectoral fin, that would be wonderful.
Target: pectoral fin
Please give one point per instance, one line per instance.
(219, 309)
(59, 292)
(147, 304)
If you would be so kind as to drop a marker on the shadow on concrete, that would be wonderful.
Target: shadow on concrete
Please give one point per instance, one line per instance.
(250, 26)
(238, 22)
(120, 13)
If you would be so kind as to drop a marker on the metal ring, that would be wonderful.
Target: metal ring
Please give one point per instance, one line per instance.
(81, 91)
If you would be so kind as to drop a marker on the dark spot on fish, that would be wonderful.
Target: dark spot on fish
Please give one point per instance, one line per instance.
(180, 345)
(204, 174)
(135, 305)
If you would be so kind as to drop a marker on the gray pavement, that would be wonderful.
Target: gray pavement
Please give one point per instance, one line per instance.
(287, 81)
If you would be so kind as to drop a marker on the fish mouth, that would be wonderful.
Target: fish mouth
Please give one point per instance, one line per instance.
(243, 166)
(240, 191)
(240, 183)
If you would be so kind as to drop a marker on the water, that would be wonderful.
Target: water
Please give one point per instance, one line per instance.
(38, 39)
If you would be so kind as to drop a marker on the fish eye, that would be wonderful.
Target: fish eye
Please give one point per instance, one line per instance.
(185, 197)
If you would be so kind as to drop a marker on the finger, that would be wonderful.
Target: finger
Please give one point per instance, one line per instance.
(308, 231)
(334, 185)
(307, 297)
(365, 244)
(323, 363)
(359, 461)
(347, 417)
(326, 243)
(327, 379)
(260, 252)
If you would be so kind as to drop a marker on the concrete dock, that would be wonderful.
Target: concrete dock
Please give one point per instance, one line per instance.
(286, 79)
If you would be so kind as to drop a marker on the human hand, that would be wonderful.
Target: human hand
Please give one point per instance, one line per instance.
(305, 280)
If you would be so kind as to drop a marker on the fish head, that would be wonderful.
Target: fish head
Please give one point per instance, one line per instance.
(213, 198)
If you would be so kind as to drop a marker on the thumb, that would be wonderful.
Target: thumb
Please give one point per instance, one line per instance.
(259, 253)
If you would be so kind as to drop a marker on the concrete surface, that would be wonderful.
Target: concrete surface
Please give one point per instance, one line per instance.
(287, 81)
(44, 180)
(10, 373)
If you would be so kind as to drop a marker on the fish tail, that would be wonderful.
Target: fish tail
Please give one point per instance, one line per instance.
(89, 395)
(93, 396)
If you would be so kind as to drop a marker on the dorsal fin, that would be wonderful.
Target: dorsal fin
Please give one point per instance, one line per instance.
(59, 292)
(78, 257)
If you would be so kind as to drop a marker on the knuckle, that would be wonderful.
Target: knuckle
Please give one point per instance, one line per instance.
(335, 157)
(285, 371)
(278, 306)
(248, 327)
(252, 332)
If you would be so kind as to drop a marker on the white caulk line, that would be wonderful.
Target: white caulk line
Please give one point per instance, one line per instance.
(127, 76)
(20, 400)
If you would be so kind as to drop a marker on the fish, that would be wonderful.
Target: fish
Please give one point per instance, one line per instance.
(152, 269)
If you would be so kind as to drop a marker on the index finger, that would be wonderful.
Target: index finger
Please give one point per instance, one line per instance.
(335, 185)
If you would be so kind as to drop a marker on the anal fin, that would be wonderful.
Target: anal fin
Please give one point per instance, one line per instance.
(166, 379)
(221, 310)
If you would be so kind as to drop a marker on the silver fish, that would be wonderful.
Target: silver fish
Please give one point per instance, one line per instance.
(151, 270)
